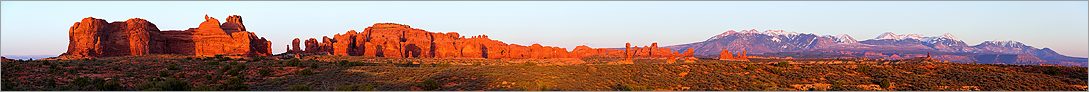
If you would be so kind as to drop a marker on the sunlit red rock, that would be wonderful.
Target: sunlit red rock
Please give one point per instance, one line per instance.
(390, 40)
(295, 46)
(311, 46)
(134, 37)
(84, 38)
(726, 55)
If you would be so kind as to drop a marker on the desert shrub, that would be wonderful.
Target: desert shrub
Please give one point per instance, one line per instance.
(188, 59)
(168, 84)
(259, 58)
(294, 63)
(883, 83)
(783, 64)
(305, 72)
(83, 83)
(356, 87)
(529, 64)
(541, 86)
(204, 88)
(164, 73)
(209, 77)
(7, 85)
(221, 58)
(214, 63)
(407, 64)
(622, 87)
(751, 67)
(235, 84)
(441, 64)
(298, 87)
(265, 72)
(1067, 72)
(429, 85)
(173, 66)
(110, 86)
(49, 82)
(840, 85)
(71, 71)
(235, 69)
(863, 68)
(350, 63)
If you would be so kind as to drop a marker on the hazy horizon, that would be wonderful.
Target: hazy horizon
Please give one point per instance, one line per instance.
(1059, 25)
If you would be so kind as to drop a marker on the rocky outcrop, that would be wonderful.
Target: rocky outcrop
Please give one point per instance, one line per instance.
(233, 24)
(93, 37)
(390, 40)
(312, 46)
(210, 38)
(651, 51)
(688, 55)
(294, 46)
(726, 55)
(84, 37)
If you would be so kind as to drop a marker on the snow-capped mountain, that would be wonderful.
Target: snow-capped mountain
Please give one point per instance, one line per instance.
(894, 36)
(760, 42)
(944, 43)
(843, 38)
(888, 45)
(1005, 47)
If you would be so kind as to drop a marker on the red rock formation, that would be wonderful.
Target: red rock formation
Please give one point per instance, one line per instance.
(312, 46)
(326, 46)
(260, 47)
(233, 24)
(295, 46)
(446, 45)
(744, 55)
(585, 51)
(726, 55)
(689, 57)
(391, 40)
(211, 39)
(343, 44)
(134, 37)
(359, 42)
(653, 49)
(84, 38)
(627, 51)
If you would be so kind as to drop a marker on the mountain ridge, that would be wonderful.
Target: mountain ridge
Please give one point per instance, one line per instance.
(888, 45)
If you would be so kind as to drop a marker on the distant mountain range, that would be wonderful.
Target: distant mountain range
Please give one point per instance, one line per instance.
(779, 43)
(25, 57)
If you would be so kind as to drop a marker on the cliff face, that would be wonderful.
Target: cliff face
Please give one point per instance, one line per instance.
(96, 38)
(93, 37)
(392, 40)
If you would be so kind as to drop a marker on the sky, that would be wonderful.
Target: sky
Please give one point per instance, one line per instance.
(40, 27)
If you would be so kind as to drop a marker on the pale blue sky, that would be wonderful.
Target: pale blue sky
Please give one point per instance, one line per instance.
(40, 27)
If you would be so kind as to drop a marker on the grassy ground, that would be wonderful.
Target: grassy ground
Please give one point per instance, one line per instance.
(355, 73)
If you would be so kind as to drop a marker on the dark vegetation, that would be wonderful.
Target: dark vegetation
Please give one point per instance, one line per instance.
(261, 73)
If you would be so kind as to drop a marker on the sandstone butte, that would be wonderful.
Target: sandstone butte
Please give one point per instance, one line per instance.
(726, 55)
(390, 40)
(93, 37)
